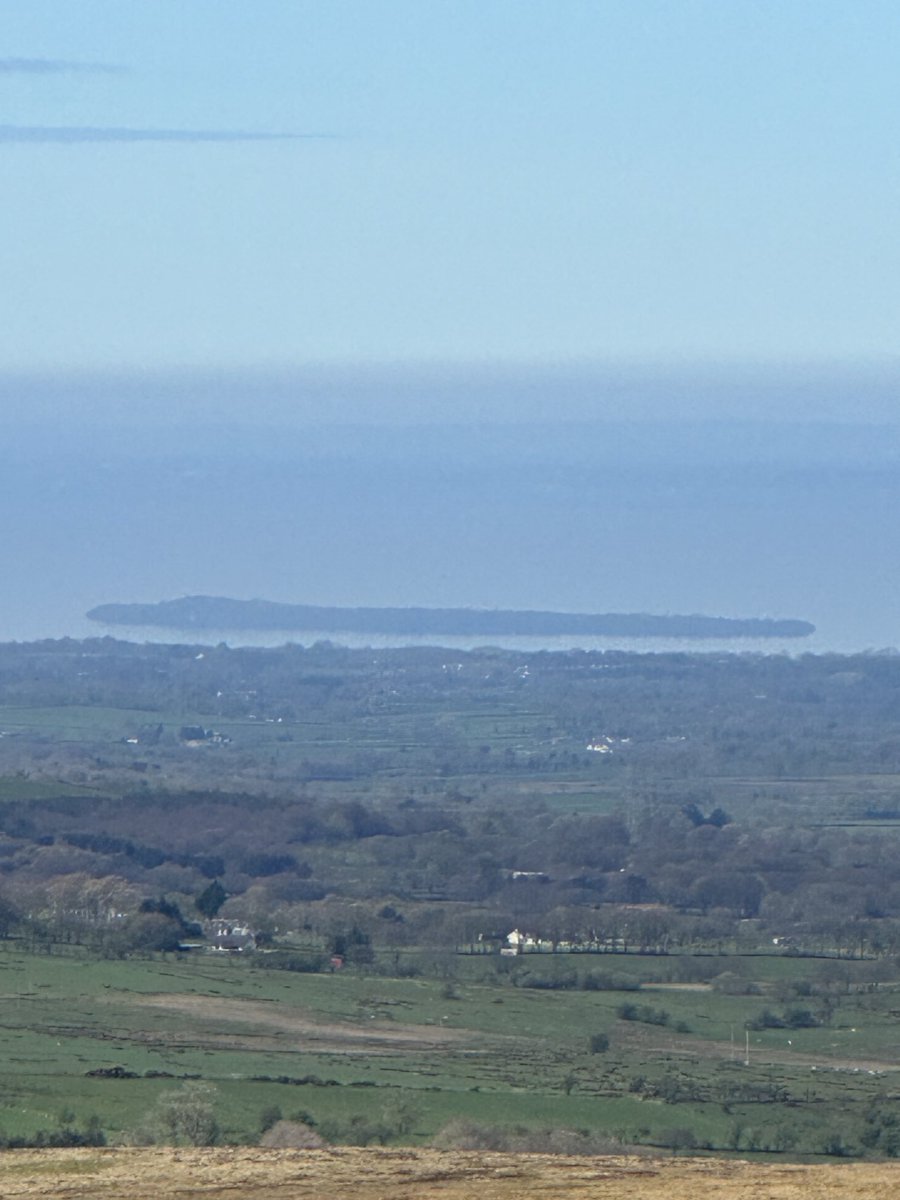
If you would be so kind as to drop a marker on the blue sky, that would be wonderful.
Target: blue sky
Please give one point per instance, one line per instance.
(565, 182)
(228, 226)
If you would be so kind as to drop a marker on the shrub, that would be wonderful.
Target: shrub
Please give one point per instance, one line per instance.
(291, 960)
(644, 1013)
(291, 1135)
(268, 1117)
(835, 1145)
(609, 981)
(463, 1134)
(564, 981)
(766, 1020)
(800, 1018)
(679, 1138)
(181, 1118)
(63, 1138)
(358, 1131)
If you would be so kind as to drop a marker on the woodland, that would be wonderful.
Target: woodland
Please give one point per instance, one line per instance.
(431, 798)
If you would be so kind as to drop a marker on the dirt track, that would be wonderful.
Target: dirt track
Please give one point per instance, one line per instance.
(350, 1174)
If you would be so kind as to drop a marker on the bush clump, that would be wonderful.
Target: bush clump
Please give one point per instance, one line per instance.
(292, 1135)
(609, 981)
(644, 1013)
(181, 1118)
(463, 1134)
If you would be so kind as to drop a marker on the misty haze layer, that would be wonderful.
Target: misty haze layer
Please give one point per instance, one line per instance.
(720, 519)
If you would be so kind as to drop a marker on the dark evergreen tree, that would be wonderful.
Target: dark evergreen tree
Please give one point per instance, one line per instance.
(211, 899)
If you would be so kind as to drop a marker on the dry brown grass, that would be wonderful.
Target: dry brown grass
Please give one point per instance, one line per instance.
(354, 1174)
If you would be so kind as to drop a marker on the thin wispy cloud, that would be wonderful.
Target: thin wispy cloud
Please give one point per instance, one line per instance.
(70, 135)
(55, 66)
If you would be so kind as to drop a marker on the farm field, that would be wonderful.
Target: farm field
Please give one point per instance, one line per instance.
(357, 1174)
(367, 1057)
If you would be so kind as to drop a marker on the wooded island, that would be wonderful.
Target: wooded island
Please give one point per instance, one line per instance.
(217, 612)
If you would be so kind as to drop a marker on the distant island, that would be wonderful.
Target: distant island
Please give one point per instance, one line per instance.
(219, 613)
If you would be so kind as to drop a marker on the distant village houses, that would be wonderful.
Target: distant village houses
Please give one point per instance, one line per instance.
(229, 936)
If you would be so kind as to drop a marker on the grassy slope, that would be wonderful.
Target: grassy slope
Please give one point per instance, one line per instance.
(489, 1052)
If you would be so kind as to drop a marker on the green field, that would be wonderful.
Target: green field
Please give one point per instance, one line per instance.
(357, 1049)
